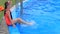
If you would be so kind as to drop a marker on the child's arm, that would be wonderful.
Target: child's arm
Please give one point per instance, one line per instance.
(11, 19)
(8, 12)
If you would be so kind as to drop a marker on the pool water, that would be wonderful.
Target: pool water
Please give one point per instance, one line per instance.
(44, 13)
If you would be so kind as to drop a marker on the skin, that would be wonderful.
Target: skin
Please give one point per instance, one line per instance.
(19, 20)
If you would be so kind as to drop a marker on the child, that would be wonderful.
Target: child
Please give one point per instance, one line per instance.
(8, 13)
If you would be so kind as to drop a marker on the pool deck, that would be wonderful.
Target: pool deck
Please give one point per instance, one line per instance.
(3, 27)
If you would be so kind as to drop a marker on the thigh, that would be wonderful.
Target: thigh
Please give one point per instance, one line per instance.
(17, 20)
(14, 20)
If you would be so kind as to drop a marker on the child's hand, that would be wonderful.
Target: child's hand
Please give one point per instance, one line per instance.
(13, 23)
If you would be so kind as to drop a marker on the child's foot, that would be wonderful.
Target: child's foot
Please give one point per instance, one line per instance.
(31, 23)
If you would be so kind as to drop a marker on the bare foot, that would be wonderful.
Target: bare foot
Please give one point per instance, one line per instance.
(30, 23)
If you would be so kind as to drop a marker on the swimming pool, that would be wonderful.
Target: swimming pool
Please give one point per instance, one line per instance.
(45, 14)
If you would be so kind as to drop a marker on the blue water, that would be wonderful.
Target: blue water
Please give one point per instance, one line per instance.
(44, 13)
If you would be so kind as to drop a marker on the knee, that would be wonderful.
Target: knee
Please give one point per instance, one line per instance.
(18, 18)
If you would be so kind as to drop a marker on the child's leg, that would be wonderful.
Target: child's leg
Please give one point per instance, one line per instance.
(24, 22)
(20, 21)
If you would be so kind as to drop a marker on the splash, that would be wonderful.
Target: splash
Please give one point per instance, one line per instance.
(33, 26)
